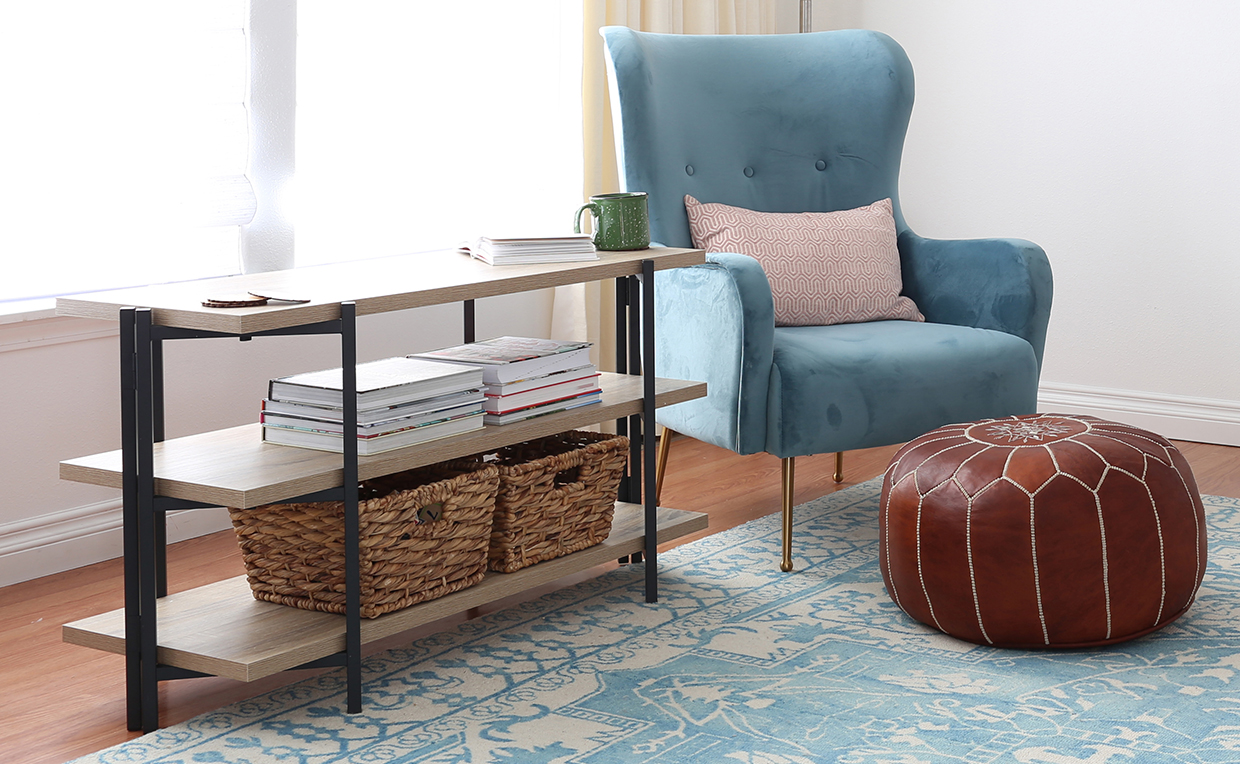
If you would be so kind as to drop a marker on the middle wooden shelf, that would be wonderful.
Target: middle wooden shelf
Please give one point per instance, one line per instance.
(234, 468)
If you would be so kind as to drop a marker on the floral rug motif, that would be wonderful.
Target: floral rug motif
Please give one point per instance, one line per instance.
(738, 662)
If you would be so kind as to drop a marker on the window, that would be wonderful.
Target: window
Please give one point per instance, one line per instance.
(124, 143)
(420, 125)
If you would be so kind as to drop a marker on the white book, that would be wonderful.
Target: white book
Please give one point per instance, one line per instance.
(380, 414)
(507, 359)
(370, 429)
(386, 382)
(324, 441)
(503, 404)
(514, 250)
(542, 380)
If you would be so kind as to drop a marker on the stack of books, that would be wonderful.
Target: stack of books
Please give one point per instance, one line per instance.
(545, 249)
(524, 377)
(400, 402)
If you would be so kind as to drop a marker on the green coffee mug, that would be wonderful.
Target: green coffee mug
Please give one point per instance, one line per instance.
(620, 221)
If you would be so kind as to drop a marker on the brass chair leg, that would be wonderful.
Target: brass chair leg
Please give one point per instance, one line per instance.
(660, 467)
(839, 467)
(786, 470)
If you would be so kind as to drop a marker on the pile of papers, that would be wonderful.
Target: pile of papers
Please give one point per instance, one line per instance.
(518, 251)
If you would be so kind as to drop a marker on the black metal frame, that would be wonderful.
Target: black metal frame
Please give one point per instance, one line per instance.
(145, 512)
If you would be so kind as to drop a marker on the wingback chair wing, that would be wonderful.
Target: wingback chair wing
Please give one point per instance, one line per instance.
(811, 123)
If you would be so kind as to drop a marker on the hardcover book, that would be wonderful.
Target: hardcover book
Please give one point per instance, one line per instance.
(531, 412)
(543, 380)
(386, 382)
(372, 429)
(507, 359)
(325, 441)
(503, 404)
(379, 414)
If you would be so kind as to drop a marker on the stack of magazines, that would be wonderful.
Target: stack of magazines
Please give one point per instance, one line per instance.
(400, 402)
(546, 249)
(525, 377)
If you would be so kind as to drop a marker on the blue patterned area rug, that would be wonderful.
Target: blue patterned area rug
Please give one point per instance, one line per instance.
(740, 663)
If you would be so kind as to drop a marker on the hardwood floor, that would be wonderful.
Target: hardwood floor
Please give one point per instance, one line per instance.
(63, 701)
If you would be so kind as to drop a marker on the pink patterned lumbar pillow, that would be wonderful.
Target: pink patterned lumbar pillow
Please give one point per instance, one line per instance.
(824, 267)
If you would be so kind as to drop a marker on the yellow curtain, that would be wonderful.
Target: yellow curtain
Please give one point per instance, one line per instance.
(587, 311)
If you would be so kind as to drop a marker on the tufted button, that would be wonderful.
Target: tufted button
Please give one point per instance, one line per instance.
(748, 172)
(821, 164)
(688, 169)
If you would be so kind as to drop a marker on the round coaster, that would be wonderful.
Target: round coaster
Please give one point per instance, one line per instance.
(241, 300)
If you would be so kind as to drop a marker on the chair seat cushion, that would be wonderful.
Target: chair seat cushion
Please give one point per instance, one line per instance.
(871, 384)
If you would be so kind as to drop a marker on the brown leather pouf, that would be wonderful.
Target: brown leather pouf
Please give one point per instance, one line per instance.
(1042, 531)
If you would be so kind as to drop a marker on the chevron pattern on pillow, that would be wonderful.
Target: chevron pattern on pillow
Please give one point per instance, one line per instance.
(824, 267)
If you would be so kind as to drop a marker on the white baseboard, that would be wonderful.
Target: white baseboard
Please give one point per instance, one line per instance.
(84, 535)
(1203, 420)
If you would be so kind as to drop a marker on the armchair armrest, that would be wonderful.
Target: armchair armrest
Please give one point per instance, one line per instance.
(715, 323)
(1002, 284)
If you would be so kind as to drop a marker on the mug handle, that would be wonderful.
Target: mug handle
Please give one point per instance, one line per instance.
(595, 211)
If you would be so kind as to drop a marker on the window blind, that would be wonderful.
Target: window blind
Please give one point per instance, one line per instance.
(123, 145)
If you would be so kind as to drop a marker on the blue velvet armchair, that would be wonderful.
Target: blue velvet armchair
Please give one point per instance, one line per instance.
(811, 123)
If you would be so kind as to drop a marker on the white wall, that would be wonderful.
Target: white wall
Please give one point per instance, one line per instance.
(60, 393)
(1105, 131)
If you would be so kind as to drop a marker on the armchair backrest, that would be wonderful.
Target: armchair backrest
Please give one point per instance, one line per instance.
(809, 122)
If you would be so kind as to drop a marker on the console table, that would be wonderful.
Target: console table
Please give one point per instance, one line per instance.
(220, 629)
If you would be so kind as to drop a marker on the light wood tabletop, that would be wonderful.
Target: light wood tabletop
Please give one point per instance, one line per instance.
(379, 285)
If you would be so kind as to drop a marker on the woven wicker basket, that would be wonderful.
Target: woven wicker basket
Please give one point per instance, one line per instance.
(424, 534)
(556, 496)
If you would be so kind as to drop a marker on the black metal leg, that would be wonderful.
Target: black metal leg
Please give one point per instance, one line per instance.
(129, 493)
(622, 367)
(649, 494)
(635, 367)
(160, 529)
(622, 323)
(157, 430)
(146, 522)
(470, 322)
(352, 535)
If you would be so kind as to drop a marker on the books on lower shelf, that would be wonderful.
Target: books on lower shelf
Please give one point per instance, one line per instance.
(526, 377)
(400, 402)
(505, 360)
(536, 249)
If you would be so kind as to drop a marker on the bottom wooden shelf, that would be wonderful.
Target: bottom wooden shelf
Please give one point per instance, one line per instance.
(221, 629)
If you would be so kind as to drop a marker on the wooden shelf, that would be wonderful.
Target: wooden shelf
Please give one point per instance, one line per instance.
(221, 629)
(379, 285)
(234, 468)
